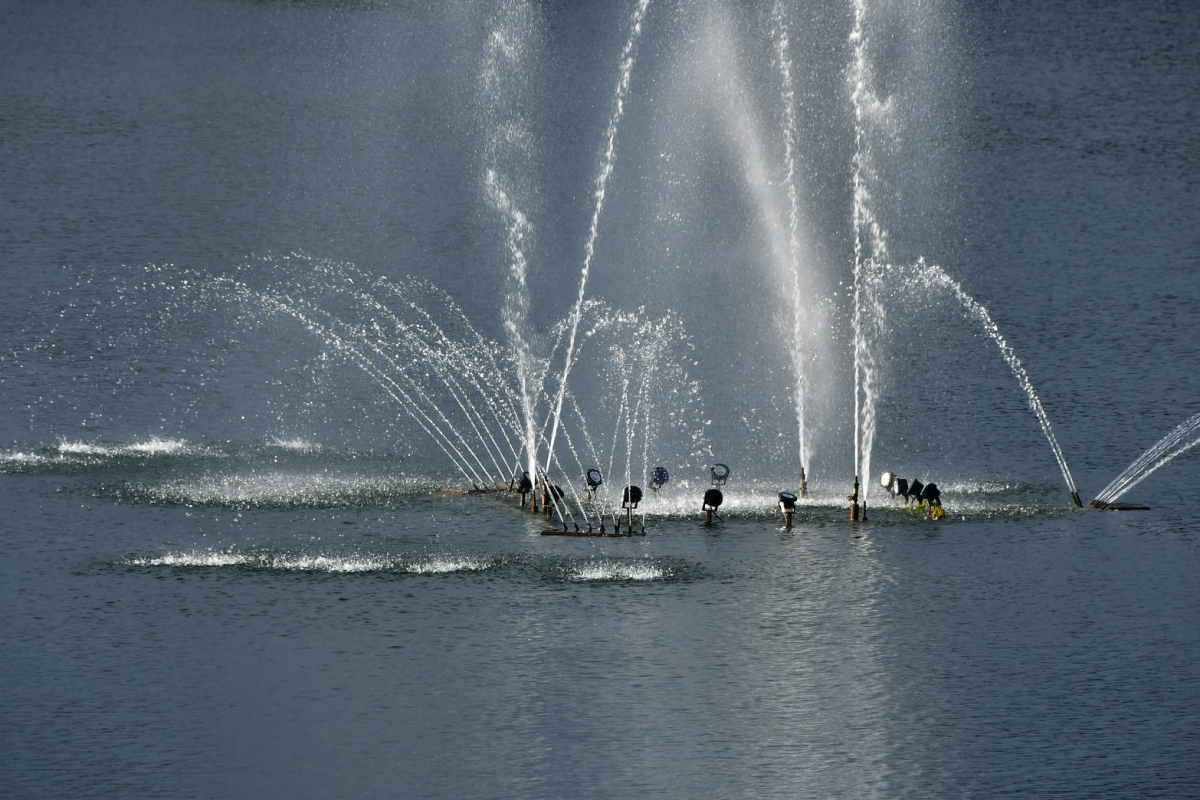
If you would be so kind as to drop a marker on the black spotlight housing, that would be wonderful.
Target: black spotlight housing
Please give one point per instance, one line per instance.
(631, 497)
(787, 502)
(713, 499)
(593, 478)
(524, 486)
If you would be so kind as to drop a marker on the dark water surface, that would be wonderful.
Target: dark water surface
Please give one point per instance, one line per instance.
(230, 572)
(443, 647)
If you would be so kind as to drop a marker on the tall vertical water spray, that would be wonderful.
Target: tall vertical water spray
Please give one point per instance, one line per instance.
(508, 153)
(870, 241)
(772, 192)
(800, 355)
(608, 163)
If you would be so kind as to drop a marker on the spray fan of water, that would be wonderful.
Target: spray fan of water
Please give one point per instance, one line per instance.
(1174, 444)
(631, 402)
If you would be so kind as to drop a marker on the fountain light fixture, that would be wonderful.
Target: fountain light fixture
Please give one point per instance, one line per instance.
(594, 479)
(713, 499)
(659, 478)
(787, 504)
(720, 474)
(631, 497)
(896, 485)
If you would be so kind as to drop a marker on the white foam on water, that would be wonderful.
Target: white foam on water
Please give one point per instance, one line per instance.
(619, 571)
(194, 558)
(344, 563)
(295, 445)
(160, 446)
(154, 447)
(443, 564)
(274, 488)
(21, 457)
(968, 486)
(82, 448)
(328, 563)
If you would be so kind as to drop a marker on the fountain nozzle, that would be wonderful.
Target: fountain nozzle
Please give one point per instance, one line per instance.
(853, 498)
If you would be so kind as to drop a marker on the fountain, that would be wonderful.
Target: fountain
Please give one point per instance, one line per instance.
(613, 391)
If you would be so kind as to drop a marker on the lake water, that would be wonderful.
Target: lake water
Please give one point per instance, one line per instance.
(236, 567)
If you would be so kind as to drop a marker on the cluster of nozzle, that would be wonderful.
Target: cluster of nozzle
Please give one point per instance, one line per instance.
(915, 492)
(552, 496)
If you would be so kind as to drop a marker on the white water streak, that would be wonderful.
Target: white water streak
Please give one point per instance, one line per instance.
(936, 276)
(505, 62)
(869, 235)
(800, 355)
(516, 310)
(1177, 442)
(606, 170)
